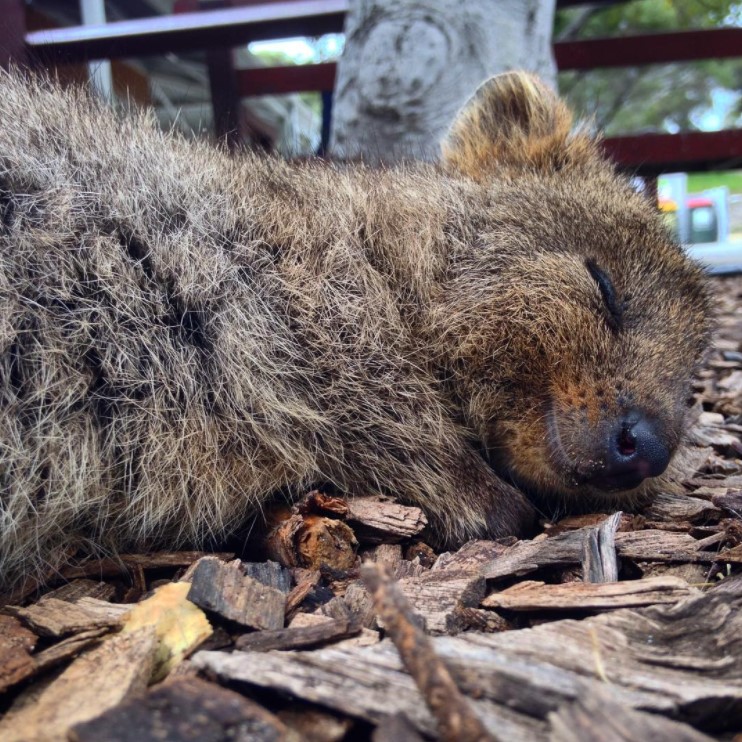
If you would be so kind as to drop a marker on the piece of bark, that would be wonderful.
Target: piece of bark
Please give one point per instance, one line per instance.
(16, 645)
(731, 501)
(599, 559)
(422, 552)
(396, 728)
(225, 589)
(672, 508)
(369, 683)
(456, 720)
(564, 549)
(311, 541)
(664, 546)
(675, 660)
(438, 597)
(300, 620)
(306, 580)
(360, 604)
(584, 596)
(315, 725)
(366, 638)
(731, 482)
(573, 522)
(184, 710)
(336, 609)
(595, 716)
(104, 609)
(53, 617)
(478, 619)
(409, 569)
(319, 503)
(269, 573)
(694, 574)
(388, 555)
(298, 638)
(67, 649)
(95, 682)
(376, 519)
(110, 567)
(82, 588)
(473, 556)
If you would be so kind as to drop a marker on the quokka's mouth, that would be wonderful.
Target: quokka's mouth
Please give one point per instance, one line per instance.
(615, 458)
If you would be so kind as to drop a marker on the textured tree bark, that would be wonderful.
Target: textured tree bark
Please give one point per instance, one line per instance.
(409, 65)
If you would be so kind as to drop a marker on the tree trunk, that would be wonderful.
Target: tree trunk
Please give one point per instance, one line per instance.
(409, 65)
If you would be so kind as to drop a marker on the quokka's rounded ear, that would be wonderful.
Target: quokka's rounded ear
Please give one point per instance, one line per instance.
(513, 121)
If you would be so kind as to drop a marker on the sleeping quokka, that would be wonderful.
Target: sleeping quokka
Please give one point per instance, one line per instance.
(184, 333)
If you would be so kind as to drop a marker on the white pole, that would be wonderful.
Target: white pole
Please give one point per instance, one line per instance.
(94, 14)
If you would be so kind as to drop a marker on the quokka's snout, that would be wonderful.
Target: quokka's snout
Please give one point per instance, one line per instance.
(618, 454)
(184, 334)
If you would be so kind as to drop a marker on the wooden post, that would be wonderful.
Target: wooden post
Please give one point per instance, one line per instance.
(12, 33)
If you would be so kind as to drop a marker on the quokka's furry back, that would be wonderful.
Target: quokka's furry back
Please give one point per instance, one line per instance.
(184, 334)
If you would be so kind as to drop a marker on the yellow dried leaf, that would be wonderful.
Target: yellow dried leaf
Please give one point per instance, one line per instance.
(180, 626)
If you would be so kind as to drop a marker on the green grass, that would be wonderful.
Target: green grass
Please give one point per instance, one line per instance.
(701, 181)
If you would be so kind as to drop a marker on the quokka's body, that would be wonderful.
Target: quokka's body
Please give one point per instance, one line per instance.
(184, 334)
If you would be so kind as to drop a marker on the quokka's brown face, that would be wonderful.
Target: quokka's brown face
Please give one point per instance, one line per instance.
(579, 321)
(603, 320)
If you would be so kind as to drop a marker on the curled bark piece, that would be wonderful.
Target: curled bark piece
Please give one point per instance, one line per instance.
(455, 718)
(310, 540)
(599, 559)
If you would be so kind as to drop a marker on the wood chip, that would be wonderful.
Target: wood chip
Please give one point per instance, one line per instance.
(596, 716)
(311, 541)
(82, 588)
(564, 549)
(271, 574)
(184, 710)
(582, 596)
(297, 638)
(669, 507)
(67, 649)
(599, 559)
(315, 725)
(438, 598)
(377, 518)
(731, 501)
(53, 617)
(16, 645)
(664, 546)
(225, 589)
(457, 722)
(396, 727)
(307, 582)
(473, 557)
(95, 682)
(678, 660)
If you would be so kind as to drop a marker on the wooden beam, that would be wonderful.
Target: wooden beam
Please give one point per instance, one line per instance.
(659, 48)
(651, 154)
(188, 6)
(304, 78)
(188, 31)
(12, 30)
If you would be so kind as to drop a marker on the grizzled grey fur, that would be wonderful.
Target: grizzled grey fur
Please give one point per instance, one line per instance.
(184, 334)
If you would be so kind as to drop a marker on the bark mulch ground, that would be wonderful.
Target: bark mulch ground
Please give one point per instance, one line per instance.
(624, 626)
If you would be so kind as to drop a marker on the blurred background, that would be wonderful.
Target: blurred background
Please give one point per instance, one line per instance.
(381, 79)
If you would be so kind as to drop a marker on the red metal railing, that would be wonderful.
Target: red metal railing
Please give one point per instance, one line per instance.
(251, 20)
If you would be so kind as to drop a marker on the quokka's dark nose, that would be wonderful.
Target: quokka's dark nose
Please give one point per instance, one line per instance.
(635, 451)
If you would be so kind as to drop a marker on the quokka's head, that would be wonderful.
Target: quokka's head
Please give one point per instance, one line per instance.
(573, 321)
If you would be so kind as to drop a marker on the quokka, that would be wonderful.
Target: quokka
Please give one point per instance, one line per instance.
(184, 333)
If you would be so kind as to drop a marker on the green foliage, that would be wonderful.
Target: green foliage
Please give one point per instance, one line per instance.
(671, 97)
(702, 181)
